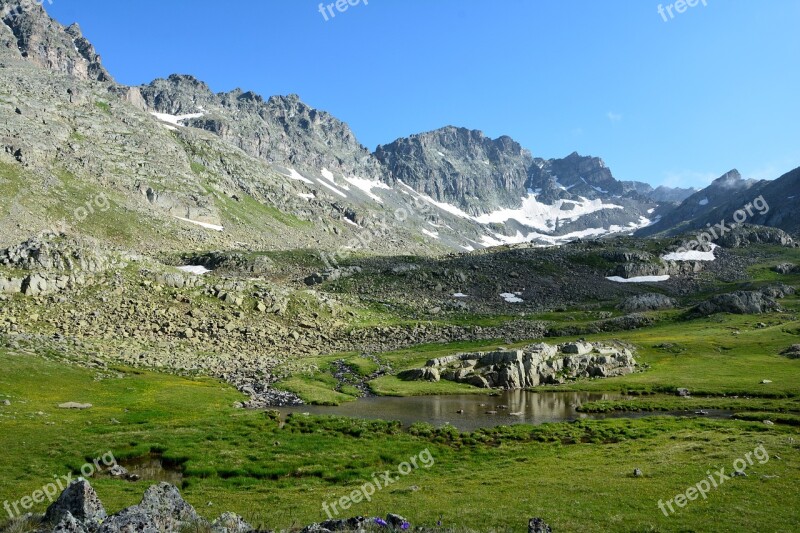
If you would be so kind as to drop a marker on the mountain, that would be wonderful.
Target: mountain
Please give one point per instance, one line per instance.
(47, 43)
(735, 200)
(176, 165)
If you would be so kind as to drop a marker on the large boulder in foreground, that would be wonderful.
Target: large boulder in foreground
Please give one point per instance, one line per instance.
(162, 509)
(77, 504)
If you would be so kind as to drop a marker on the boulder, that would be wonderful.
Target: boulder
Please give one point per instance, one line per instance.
(743, 302)
(579, 348)
(74, 405)
(786, 268)
(162, 509)
(230, 523)
(537, 525)
(792, 352)
(647, 302)
(420, 374)
(78, 502)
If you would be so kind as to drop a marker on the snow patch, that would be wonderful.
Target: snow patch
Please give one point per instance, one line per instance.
(295, 175)
(202, 224)
(175, 120)
(691, 255)
(512, 297)
(332, 188)
(460, 295)
(306, 195)
(433, 234)
(704, 201)
(640, 279)
(543, 216)
(197, 270)
(367, 186)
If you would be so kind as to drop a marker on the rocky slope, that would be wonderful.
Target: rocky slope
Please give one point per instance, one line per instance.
(735, 200)
(272, 173)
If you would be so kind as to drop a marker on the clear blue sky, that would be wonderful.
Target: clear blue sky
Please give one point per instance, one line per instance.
(677, 102)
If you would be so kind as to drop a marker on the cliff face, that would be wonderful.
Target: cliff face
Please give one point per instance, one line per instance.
(281, 130)
(47, 43)
(461, 167)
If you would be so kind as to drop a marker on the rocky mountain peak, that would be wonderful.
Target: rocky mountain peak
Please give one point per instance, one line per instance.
(732, 178)
(179, 94)
(460, 166)
(47, 43)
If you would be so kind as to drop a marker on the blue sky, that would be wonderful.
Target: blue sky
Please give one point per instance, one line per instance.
(677, 102)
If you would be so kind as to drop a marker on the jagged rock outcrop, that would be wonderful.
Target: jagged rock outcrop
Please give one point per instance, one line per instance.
(45, 42)
(536, 364)
(647, 302)
(57, 263)
(53, 252)
(744, 302)
(162, 509)
(281, 129)
(747, 234)
(78, 504)
(658, 268)
(460, 166)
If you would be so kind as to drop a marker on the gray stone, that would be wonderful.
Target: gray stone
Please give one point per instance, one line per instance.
(162, 509)
(80, 501)
(74, 405)
(537, 525)
(230, 523)
(647, 302)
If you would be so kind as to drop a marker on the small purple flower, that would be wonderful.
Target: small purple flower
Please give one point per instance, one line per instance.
(381, 522)
(405, 525)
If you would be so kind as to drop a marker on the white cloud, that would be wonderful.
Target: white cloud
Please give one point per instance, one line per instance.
(614, 117)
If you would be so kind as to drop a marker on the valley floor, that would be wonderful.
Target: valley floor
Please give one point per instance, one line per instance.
(577, 476)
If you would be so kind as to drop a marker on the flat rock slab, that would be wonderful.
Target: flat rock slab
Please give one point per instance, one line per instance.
(74, 405)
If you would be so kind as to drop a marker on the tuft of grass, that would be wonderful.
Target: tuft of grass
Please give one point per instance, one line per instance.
(105, 107)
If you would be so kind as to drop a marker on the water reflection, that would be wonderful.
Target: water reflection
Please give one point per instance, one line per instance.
(467, 411)
(153, 468)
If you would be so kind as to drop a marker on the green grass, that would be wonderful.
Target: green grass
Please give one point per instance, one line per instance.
(10, 182)
(105, 107)
(577, 476)
(97, 211)
(249, 210)
(316, 390)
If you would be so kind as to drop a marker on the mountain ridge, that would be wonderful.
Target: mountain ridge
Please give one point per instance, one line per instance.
(309, 165)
